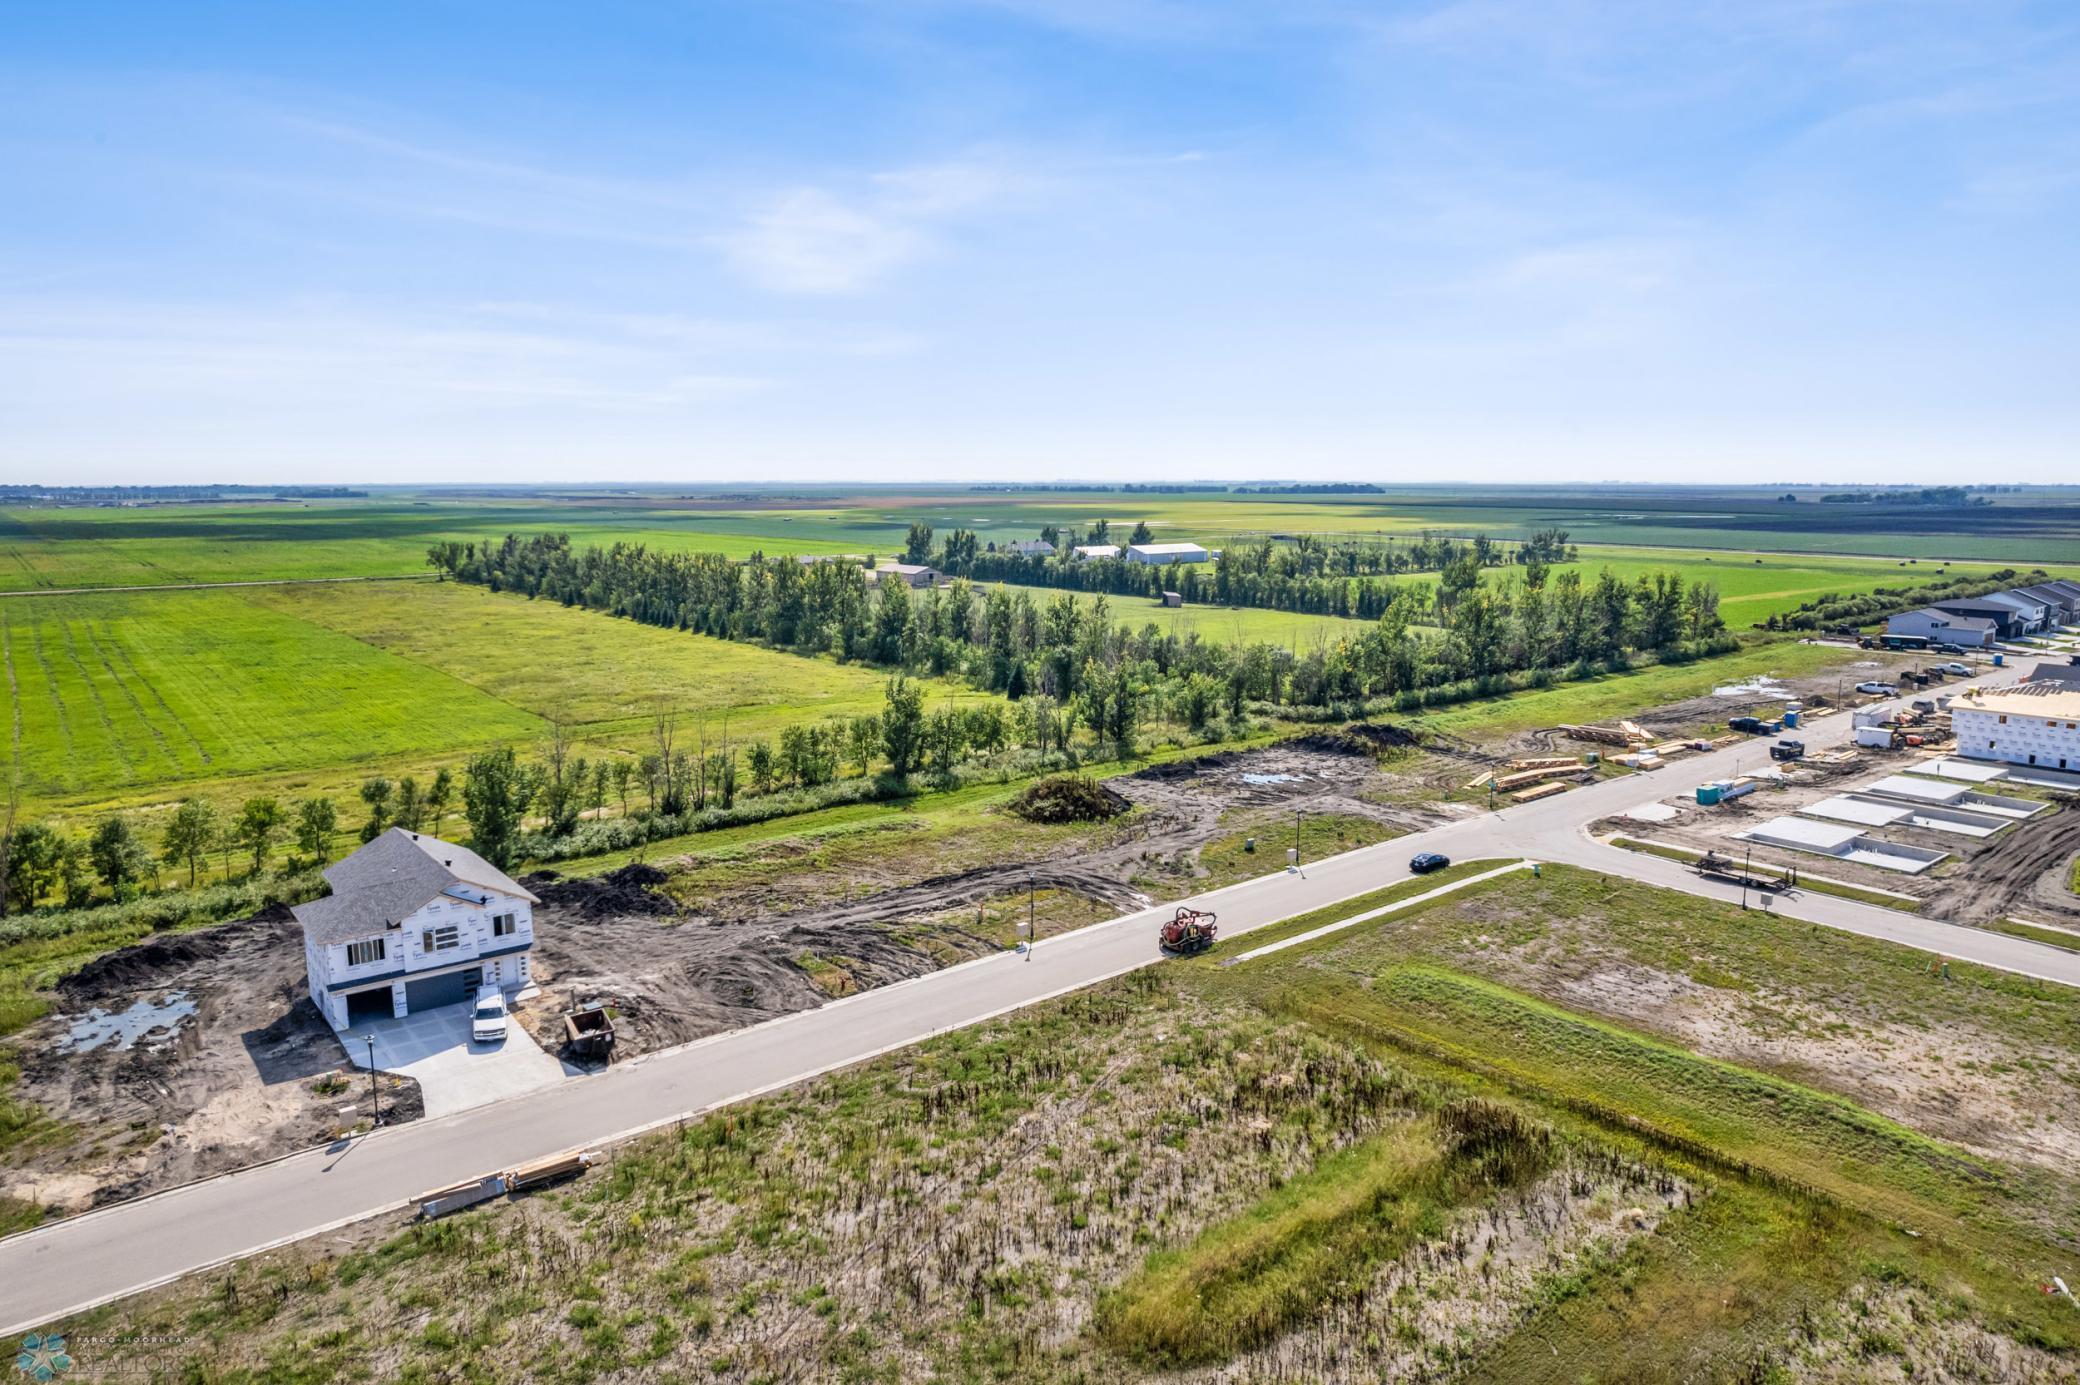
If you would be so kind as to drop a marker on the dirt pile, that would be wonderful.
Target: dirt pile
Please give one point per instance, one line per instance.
(1067, 798)
(628, 892)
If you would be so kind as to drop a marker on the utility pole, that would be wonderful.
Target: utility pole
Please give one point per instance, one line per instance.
(1032, 915)
(1747, 857)
(374, 1094)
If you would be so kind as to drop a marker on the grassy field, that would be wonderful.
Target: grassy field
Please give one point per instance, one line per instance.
(1218, 624)
(127, 698)
(1355, 1159)
(1625, 694)
(124, 692)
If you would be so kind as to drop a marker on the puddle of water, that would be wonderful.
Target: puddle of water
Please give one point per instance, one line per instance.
(1764, 686)
(1271, 778)
(124, 1028)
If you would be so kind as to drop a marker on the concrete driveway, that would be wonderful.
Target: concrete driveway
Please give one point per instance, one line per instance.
(433, 1048)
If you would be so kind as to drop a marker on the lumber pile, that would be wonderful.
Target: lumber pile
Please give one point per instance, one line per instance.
(1603, 735)
(1534, 776)
(1546, 790)
(1545, 762)
(1486, 778)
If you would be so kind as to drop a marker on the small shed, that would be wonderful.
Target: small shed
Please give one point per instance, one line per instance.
(1173, 598)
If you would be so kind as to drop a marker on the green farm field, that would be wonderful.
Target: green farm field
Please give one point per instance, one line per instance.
(387, 534)
(1216, 624)
(120, 697)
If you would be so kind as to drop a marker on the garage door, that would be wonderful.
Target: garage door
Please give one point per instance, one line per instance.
(450, 988)
(372, 1004)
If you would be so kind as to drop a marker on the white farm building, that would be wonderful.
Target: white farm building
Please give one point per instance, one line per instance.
(1163, 553)
(413, 923)
(2033, 723)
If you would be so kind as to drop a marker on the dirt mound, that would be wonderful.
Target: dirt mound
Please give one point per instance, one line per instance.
(1381, 736)
(160, 961)
(628, 892)
(1067, 798)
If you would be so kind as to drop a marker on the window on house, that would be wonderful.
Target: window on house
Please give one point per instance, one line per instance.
(502, 925)
(361, 954)
(2004, 721)
(442, 938)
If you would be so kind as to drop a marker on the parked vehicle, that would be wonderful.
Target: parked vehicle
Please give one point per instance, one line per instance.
(1788, 750)
(1187, 931)
(1751, 725)
(1428, 861)
(487, 1021)
(1957, 670)
(1877, 689)
(1952, 649)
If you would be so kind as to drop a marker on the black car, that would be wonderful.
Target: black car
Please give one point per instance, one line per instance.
(1427, 862)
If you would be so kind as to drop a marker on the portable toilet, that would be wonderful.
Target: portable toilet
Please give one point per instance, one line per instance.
(1791, 712)
(1999, 659)
(1708, 794)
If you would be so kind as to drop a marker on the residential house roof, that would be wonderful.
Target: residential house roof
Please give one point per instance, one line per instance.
(2067, 675)
(1949, 619)
(1030, 546)
(392, 877)
(1097, 550)
(2048, 595)
(1150, 549)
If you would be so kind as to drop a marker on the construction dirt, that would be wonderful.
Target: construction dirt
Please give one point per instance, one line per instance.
(180, 1057)
(674, 972)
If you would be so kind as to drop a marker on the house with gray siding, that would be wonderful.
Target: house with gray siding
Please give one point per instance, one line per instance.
(1942, 627)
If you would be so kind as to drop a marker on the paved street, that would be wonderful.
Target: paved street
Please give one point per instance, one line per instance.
(57, 1269)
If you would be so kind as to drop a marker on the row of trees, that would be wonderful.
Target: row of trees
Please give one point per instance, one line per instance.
(1023, 644)
(42, 859)
(1307, 573)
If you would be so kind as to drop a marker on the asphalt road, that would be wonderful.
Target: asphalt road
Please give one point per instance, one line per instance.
(62, 1268)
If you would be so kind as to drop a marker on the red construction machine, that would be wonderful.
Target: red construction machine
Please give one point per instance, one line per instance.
(1191, 930)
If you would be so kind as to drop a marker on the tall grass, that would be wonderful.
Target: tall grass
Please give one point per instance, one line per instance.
(1321, 1238)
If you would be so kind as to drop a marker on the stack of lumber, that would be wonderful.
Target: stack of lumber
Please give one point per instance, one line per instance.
(1605, 735)
(1534, 776)
(1541, 791)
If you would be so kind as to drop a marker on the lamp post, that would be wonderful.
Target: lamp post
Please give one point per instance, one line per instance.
(1032, 915)
(374, 1094)
(1747, 857)
(1296, 835)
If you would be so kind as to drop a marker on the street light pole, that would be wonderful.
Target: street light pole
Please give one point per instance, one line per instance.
(1747, 859)
(1032, 915)
(374, 1095)
(1296, 836)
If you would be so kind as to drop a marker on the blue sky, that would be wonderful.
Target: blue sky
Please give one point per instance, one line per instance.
(903, 239)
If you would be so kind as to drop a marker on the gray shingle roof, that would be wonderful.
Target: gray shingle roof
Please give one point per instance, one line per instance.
(390, 878)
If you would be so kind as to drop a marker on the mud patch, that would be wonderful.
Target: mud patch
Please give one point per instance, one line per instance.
(236, 1077)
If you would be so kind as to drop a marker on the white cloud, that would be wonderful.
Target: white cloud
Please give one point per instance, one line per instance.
(810, 240)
